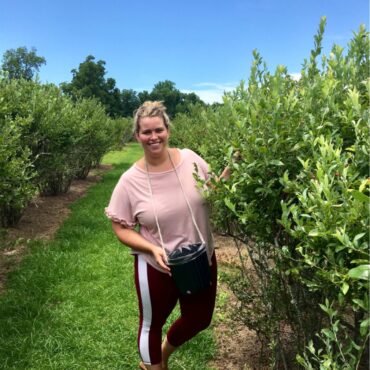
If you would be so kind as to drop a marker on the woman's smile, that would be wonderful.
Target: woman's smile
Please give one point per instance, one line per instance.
(153, 134)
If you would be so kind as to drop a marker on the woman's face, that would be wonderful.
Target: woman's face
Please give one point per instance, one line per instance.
(153, 135)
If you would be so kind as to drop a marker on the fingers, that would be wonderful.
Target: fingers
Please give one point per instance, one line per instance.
(163, 265)
(161, 259)
(225, 173)
(237, 156)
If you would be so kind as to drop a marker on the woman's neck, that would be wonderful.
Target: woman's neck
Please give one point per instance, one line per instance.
(163, 162)
(157, 161)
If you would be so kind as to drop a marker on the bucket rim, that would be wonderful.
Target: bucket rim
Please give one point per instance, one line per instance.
(180, 260)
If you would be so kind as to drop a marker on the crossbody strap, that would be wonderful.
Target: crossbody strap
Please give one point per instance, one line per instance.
(186, 199)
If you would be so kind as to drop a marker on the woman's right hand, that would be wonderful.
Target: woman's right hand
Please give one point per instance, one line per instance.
(161, 259)
(134, 240)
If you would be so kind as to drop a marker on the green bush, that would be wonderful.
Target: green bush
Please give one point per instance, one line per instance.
(16, 173)
(298, 200)
(328, 222)
(96, 135)
(52, 137)
(47, 140)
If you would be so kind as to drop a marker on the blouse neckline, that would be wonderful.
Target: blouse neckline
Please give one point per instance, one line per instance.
(163, 172)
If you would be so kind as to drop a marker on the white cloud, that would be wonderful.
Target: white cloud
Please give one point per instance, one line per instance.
(211, 92)
(208, 96)
(296, 76)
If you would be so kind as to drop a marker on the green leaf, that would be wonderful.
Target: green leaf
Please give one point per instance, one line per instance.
(351, 149)
(360, 303)
(323, 307)
(365, 323)
(340, 248)
(276, 162)
(313, 232)
(358, 236)
(300, 360)
(360, 272)
(359, 261)
(361, 197)
(328, 333)
(285, 250)
(344, 288)
(310, 347)
(304, 164)
(229, 204)
(364, 327)
(364, 183)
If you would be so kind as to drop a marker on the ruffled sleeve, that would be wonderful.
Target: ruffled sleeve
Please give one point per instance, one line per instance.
(120, 208)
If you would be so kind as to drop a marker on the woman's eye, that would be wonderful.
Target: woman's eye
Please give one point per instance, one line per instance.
(157, 131)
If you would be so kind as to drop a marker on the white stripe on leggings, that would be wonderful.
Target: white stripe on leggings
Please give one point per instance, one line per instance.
(147, 310)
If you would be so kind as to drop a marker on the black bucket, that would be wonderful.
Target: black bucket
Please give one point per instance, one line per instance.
(190, 268)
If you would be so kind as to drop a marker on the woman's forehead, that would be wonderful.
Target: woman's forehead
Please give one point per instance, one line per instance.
(149, 122)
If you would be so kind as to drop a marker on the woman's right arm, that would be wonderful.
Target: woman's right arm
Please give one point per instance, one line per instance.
(134, 240)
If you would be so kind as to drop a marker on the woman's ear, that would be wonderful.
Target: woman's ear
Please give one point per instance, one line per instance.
(136, 135)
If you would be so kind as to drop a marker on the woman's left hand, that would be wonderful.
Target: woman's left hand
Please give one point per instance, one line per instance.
(225, 173)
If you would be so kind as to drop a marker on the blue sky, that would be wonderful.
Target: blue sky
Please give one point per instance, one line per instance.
(201, 45)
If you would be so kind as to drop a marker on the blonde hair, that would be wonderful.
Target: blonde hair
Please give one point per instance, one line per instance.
(150, 109)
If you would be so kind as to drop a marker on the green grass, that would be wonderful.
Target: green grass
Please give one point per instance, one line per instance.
(71, 304)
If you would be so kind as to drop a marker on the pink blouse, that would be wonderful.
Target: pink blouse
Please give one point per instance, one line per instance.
(131, 204)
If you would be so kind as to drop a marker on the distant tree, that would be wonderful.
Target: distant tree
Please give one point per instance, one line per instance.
(21, 63)
(174, 99)
(216, 105)
(130, 101)
(89, 82)
(144, 96)
(192, 98)
(113, 99)
(186, 101)
(167, 92)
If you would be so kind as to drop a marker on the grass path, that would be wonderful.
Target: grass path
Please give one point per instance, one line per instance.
(71, 304)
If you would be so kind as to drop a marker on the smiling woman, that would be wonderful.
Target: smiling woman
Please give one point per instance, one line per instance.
(153, 136)
(160, 195)
(152, 132)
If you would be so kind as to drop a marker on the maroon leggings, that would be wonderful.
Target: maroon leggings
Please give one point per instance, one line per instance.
(158, 295)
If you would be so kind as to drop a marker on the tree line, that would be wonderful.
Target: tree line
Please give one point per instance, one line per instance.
(89, 80)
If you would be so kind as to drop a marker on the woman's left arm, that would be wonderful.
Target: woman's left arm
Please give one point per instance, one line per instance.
(227, 171)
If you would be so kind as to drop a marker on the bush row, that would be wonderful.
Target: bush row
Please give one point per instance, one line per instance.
(297, 200)
(46, 141)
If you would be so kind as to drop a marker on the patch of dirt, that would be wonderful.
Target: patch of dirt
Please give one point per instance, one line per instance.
(238, 347)
(40, 221)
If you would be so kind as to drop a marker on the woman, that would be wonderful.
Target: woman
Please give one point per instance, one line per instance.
(149, 195)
